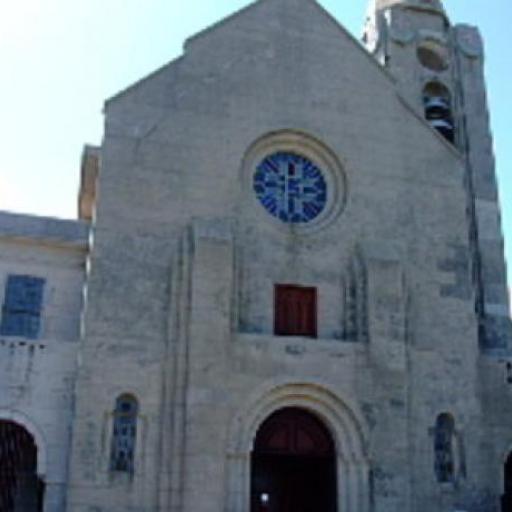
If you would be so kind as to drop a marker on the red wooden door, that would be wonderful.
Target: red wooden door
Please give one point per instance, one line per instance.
(295, 311)
(293, 465)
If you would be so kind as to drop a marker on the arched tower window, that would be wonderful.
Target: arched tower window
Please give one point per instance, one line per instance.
(124, 434)
(437, 101)
(444, 440)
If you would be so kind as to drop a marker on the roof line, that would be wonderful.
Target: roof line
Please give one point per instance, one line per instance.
(453, 149)
(80, 246)
(230, 17)
(220, 22)
(324, 11)
(357, 43)
(49, 231)
(135, 84)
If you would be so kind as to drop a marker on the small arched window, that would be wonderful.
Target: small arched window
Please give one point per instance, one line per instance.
(437, 101)
(444, 441)
(124, 434)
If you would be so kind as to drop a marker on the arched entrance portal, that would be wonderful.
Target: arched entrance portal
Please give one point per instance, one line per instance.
(293, 465)
(20, 488)
(506, 500)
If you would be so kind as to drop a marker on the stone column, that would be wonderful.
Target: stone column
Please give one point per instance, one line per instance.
(387, 311)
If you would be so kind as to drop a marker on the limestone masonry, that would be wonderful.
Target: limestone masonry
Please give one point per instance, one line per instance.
(286, 291)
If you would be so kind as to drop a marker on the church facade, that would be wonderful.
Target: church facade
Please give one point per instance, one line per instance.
(286, 291)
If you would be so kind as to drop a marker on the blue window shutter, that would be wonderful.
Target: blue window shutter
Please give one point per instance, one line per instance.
(21, 312)
(14, 294)
(33, 295)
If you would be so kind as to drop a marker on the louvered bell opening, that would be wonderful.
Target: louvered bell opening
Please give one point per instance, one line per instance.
(444, 127)
(437, 108)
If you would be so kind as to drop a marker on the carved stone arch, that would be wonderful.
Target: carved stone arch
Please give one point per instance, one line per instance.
(30, 426)
(435, 87)
(343, 420)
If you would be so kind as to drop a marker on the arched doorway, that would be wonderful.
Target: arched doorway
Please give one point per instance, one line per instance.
(506, 500)
(293, 465)
(21, 490)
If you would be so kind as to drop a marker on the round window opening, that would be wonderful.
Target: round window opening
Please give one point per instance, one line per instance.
(433, 56)
(290, 187)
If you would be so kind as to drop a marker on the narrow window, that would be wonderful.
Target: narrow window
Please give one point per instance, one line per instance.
(437, 101)
(444, 437)
(295, 311)
(21, 312)
(506, 499)
(124, 435)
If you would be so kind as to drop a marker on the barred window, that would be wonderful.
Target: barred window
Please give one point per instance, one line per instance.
(444, 437)
(124, 435)
(21, 311)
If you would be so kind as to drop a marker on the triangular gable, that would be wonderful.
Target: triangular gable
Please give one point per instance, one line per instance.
(202, 37)
(247, 23)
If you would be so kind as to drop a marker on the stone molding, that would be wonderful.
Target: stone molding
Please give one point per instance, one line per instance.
(342, 418)
(309, 147)
(24, 421)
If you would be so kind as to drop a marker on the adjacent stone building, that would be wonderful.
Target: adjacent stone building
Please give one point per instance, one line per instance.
(286, 292)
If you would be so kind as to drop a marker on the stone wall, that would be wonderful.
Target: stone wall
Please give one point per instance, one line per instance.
(37, 376)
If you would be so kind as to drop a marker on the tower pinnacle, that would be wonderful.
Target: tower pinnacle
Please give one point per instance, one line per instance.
(428, 5)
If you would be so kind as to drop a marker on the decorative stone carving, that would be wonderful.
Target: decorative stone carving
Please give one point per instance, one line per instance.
(469, 41)
(370, 38)
(400, 28)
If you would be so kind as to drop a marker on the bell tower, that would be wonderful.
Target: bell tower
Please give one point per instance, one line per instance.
(439, 70)
(412, 38)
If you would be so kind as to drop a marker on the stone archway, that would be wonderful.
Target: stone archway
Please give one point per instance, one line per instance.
(344, 423)
(21, 489)
(293, 464)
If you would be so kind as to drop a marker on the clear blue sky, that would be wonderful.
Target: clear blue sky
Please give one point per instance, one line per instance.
(62, 58)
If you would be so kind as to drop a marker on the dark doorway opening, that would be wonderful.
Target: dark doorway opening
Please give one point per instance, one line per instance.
(21, 490)
(506, 500)
(293, 465)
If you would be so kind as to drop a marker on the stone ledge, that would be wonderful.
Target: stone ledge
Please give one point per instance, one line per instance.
(44, 229)
(299, 346)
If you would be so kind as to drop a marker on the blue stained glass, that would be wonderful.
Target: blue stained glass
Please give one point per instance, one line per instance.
(290, 187)
(122, 456)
